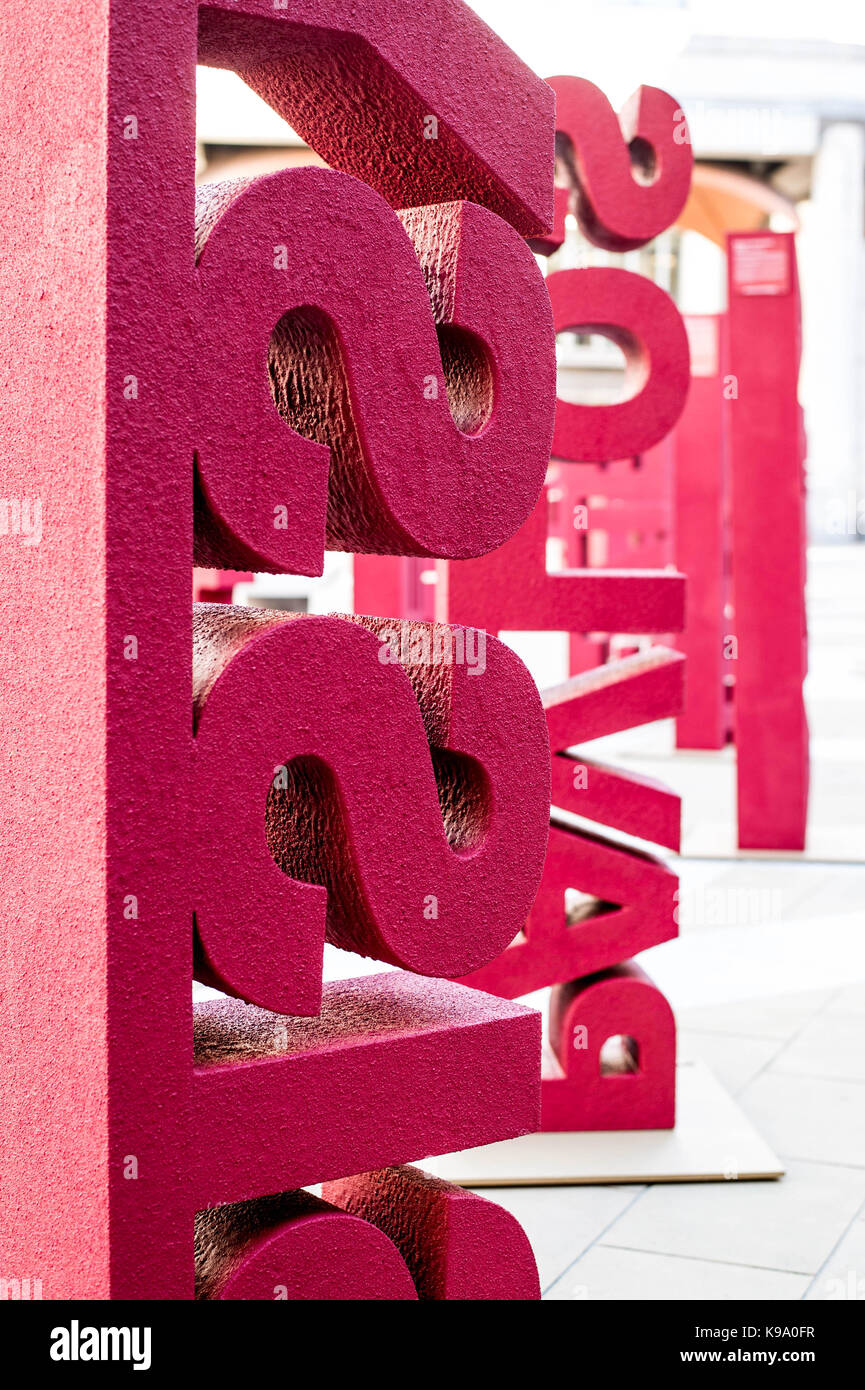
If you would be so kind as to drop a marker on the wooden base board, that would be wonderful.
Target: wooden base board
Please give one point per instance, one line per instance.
(713, 1142)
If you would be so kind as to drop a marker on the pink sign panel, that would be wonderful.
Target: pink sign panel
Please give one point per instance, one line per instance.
(759, 265)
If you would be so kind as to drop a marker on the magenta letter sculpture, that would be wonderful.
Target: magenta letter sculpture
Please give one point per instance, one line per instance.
(628, 898)
(132, 357)
(768, 541)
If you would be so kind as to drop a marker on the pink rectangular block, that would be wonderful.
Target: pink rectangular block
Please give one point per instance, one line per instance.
(637, 805)
(92, 288)
(702, 505)
(620, 695)
(510, 590)
(768, 541)
(396, 1068)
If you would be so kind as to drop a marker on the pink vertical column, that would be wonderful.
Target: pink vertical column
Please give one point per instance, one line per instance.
(51, 661)
(768, 540)
(701, 504)
(393, 586)
(97, 228)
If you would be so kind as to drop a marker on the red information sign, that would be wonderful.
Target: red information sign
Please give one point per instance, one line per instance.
(760, 264)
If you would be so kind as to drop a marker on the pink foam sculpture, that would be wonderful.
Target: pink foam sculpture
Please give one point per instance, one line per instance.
(98, 113)
(282, 331)
(636, 690)
(631, 894)
(632, 904)
(456, 1244)
(637, 805)
(393, 1234)
(341, 747)
(511, 590)
(702, 503)
(602, 152)
(643, 321)
(357, 80)
(293, 1246)
(394, 1069)
(768, 541)
(639, 1093)
(634, 894)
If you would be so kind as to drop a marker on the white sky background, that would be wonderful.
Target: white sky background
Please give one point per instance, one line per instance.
(621, 43)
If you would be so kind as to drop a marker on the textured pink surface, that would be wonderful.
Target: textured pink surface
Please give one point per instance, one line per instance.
(456, 1244)
(100, 294)
(394, 1069)
(643, 321)
(54, 1050)
(367, 387)
(768, 550)
(632, 895)
(621, 1002)
(618, 207)
(356, 79)
(354, 841)
(295, 1246)
(390, 585)
(702, 505)
(635, 899)
(600, 150)
(621, 695)
(511, 591)
(637, 805)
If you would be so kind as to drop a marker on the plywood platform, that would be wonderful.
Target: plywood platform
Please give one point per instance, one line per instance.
(713, 1142)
